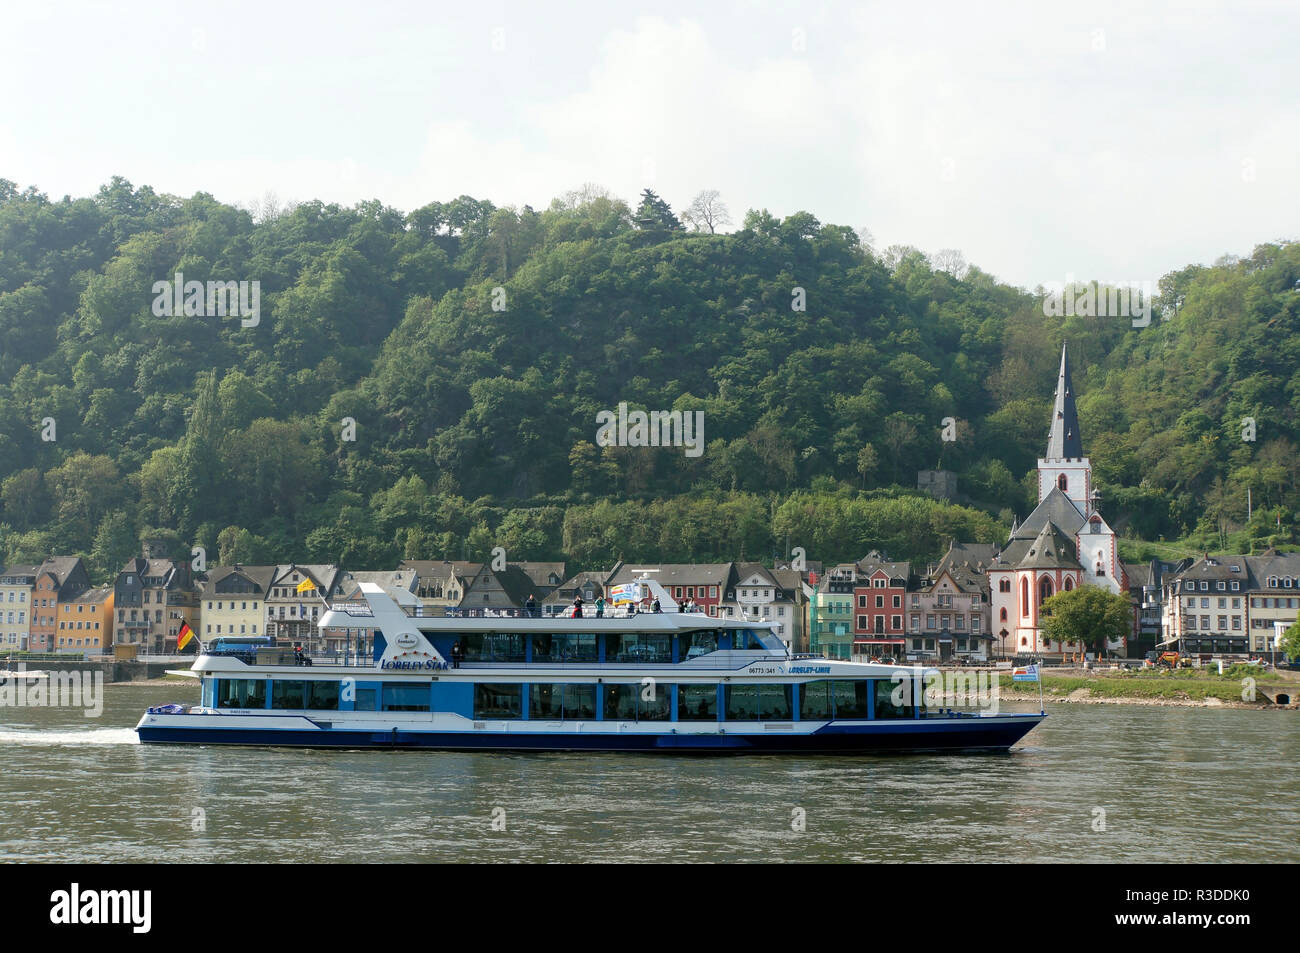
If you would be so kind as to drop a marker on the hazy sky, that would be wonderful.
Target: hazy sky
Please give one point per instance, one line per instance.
(1108, 141)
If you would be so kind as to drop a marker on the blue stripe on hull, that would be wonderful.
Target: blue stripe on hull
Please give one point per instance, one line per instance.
(984, 735)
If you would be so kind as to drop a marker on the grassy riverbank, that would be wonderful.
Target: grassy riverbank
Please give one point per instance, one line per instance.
(1179, 687)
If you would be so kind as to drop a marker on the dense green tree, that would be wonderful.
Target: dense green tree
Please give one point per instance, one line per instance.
(1089, 616)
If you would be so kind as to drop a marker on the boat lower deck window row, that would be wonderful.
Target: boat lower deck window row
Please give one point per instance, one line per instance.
(830, 699)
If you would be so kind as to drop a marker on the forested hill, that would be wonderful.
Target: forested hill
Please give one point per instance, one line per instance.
(472, 348)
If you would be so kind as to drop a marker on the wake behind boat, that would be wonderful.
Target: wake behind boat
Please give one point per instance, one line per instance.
(668, 681)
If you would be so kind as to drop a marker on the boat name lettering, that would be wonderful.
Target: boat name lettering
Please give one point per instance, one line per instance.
(810, 669)
(424, 665)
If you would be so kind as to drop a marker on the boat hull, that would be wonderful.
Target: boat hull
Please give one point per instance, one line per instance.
(996, 733)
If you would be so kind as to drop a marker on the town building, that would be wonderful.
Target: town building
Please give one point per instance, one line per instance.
(763, 595)
(296, 601)
(86, 622)
(59, 579)
(830, 611)
(546, 576)
(1231, 605)
(949, 611)
(879, 614)
(440, 583)
(153, 597)
(1274, 598)
(233, 601)
(1206, 607)
(498, 591)
(1146, 589)
(17, 585)
(703, 583)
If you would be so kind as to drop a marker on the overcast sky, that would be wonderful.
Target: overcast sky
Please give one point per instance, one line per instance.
(1042, 139)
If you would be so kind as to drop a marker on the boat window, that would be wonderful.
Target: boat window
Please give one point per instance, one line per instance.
(889, 693)
(620, 702)
(697, 702)
(241, 693)
(323, 695)
(850, 699)
(654, 702)
(367, 698)
(551, 701)
(565, 648)
(758, 702)
(404, 696)
(638, 702)
(494, 647)
(286, 694)
(694, 644)
(815, 700)
(653, 649)
(498, 701)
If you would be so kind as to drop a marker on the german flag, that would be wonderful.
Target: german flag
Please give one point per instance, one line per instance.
(183, 637)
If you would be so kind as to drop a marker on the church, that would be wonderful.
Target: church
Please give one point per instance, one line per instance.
(1064, 543)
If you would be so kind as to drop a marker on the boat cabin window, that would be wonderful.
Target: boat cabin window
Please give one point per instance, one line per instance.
(493, 647)
(549, 701)
(851, 699)
(402, 696)
(367, 697)
(565, 648)
(652, 649)
(637, 702)
(295, 695)
(498, 701)
(758, 702)
(241, 693)
(894, 699)
(697, 702)
(694, 644)
(322, 695)
(287, 694)
(815, 701)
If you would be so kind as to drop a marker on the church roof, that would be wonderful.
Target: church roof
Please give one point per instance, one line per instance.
(1051, 549)
(1064, 441)
(1058, 510)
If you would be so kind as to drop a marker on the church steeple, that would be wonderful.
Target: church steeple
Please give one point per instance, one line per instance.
(1064, 442)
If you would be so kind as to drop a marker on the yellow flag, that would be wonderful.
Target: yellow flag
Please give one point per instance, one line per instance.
(306, 586)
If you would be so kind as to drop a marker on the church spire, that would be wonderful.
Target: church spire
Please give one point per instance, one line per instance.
(1064, 442)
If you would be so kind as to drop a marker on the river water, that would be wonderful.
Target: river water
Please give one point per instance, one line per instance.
(1113, 783)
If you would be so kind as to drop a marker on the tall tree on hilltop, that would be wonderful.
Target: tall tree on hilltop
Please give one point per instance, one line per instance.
(656, 216)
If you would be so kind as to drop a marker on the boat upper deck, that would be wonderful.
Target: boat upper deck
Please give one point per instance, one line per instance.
(360, 615)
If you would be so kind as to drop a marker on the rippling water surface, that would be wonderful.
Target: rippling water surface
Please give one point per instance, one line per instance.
(1175, 785)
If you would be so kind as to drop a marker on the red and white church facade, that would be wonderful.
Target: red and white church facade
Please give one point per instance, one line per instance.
(1064, 543)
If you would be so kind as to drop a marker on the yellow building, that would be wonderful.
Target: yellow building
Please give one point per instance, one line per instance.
(86, 622)
(233, 601)
(16, 586)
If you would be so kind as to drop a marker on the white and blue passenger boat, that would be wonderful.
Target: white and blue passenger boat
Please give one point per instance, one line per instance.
(667, 681)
